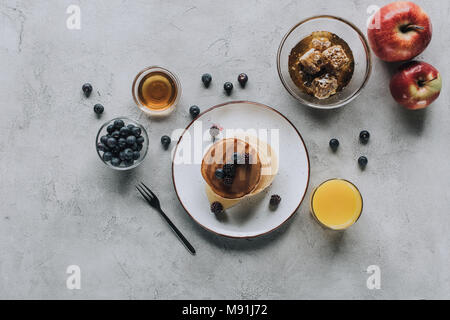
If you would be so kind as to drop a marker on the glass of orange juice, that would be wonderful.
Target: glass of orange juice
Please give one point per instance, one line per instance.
(156, 91)
(336, 204)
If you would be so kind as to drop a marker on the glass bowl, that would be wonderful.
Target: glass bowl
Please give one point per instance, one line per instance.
(343, 29)
(103, 132)
(137, 82)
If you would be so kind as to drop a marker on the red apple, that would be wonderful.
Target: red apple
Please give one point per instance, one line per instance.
(416, 85)
(399, 31)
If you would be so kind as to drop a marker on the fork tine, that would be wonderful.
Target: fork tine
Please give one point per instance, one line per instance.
(148, 190)
(143, 194)
(149, 196)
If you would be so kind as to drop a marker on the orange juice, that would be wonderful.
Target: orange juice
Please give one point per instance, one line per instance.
(336, 204)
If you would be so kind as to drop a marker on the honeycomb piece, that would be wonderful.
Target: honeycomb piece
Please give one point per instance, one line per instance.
(320, 43)
(335, 57)
(325, 86)
(311, 61)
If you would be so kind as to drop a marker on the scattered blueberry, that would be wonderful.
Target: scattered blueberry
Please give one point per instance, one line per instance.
(98, 108)
(165, 141)
(219, 173)
(206, 79)
(194, 111)
(136, 155)
(242, 79)
(275, 200)
(364, 136)
(216, 207)
(107, 156)
(87, 89)
(362, 161)
(111, 142)
(119, 124)
(131, 140)
(228, 87)
(110, 128)
(334, 144)
(122, 142)
(136, 131)
(115, 162)
(214, 131)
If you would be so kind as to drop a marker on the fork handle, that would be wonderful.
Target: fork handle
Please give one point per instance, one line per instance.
(178, 232)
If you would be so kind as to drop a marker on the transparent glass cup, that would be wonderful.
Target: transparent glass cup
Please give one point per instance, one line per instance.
(148, 108)
(336, 204)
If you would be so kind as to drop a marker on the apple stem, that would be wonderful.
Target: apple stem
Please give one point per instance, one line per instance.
(411, 27)
(421, 83)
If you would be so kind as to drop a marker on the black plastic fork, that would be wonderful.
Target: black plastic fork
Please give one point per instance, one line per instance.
(153, 201)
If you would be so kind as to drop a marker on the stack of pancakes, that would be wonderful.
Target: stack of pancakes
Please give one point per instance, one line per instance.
(249, 180)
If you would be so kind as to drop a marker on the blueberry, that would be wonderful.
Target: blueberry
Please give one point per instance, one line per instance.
(229, 169)
(130, 126)
(116, 134)
(242, 79)
(107, 156)
(111, 142)
(110, 128)
(128, 154)
(122, 155)
(115, 162)
(131, 140)
(103, 139)
(140, 140)
(139, 147)
(136, 155)
(125, 132)
(165, 141)
(101, 146)
(364, 136)
(87, 89)
(228, 87)
(219, 173)
(362, 161)
(206, 79)
(115, 151)
(194, 111)
(98, 108)
(134, 147)
(334, 144)
(128, 162)
(136, 131)
(119, 124)
(122, 143)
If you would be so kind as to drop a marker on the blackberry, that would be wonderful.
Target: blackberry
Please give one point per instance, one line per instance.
(228, 180)
(275, 200)
(216, 207)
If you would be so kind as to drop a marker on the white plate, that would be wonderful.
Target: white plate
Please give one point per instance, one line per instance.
(251, 217)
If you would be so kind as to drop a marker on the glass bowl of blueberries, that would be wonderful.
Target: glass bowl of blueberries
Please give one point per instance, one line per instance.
(122, 143)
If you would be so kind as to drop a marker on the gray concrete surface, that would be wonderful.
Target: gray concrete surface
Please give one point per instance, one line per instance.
(59, 205)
